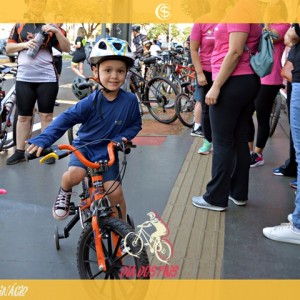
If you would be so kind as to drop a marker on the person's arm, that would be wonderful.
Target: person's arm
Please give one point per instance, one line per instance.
(63, 42)
(194, 48)
(237, 41)
(291, 37)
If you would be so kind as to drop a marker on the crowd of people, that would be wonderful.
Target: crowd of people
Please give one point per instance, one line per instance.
(227, 94)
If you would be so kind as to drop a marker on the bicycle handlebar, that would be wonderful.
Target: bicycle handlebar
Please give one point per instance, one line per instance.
(55, 153)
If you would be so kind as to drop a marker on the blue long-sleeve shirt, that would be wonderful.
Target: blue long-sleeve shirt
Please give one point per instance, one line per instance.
(100, 119)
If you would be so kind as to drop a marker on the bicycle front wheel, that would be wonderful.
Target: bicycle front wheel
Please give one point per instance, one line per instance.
(128, 266)
(275, 114)
(163, 252)
(160, 100)
(185, 109)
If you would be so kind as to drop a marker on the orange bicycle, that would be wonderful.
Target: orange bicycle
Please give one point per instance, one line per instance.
(100, 249)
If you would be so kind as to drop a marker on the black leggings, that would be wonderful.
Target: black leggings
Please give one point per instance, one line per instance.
(205, 121)
(229, 122)
(29, 92)
(263, 107)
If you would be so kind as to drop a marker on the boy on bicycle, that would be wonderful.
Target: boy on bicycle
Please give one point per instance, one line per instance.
(109, 113)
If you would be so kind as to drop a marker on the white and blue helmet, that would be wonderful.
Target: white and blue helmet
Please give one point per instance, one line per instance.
(111, 49)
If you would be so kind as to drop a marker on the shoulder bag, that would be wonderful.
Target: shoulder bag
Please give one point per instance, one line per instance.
(262, 61)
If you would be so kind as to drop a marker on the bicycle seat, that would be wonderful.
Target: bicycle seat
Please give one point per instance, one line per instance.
(150, 60)
(185, 84)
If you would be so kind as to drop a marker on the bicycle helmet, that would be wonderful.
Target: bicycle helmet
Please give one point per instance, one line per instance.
(111, 49)
(80, 93)
(136, 28)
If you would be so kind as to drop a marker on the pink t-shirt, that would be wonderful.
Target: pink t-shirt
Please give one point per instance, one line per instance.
(274, 78)
(221, 47)
(204, 33)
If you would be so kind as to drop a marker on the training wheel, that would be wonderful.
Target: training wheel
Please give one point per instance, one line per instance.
(56, 238)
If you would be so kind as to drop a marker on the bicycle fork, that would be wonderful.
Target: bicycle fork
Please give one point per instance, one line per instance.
(98, 235)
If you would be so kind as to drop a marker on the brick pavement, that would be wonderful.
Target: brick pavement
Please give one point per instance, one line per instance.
(197, 235)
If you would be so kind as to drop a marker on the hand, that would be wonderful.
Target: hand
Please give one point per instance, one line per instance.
(50, 28)
(201, 79)
(31, 44)
(212, 96)
(33, 148)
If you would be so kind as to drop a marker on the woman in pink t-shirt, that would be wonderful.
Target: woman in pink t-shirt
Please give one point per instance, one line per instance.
(231, 97)
(270, 86)
(201, 45)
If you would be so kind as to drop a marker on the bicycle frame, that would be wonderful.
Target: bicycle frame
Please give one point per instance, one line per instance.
(143, 234)
(7, 111)
(93, 200)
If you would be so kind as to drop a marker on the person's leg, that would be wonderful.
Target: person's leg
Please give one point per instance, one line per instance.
(46, 95)
(290, 233)
(295, 129)
(263, 107)
(233, 103)
(74, 68)
(72, 177)
(198, 95)
(289, 168)
(26, 97)
(114, 190)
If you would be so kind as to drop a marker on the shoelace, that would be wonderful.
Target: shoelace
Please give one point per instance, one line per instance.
(63, 199)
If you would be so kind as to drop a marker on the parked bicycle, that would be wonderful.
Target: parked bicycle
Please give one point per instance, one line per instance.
(185, 104)
(8, 114)
(99, 250)
(158, 94)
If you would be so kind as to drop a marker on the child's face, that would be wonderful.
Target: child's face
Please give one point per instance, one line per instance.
(112, 74)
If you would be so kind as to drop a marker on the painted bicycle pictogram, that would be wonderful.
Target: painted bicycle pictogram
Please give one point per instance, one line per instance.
(157, 242)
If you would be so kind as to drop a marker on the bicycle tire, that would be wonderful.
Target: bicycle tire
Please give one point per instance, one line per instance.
(72, 133)
(160, 100)
(275, 114)
(184, 106)
(9, 140)
(117, 267)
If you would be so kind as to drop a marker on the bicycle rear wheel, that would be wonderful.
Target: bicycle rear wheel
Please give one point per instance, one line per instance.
(7, 137)
(125, 267)
(275, 114)
(160, 100)
(185, 109)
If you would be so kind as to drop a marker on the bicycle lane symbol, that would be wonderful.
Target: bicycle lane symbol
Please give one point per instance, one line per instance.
(156, 241)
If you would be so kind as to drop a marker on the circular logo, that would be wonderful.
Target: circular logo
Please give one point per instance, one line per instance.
(163, 11)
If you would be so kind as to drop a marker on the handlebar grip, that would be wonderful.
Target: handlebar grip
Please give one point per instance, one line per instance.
(30, 156)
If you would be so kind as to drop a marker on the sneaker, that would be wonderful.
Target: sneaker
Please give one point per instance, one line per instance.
(200, 202)
(290, 218)
(278, 172)
(293, 184)
(197, 132)
(256, 160)
(237, 202)
(61, 207)
(206, 148)
(17, 157)
(56, 103)
(282, 233)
